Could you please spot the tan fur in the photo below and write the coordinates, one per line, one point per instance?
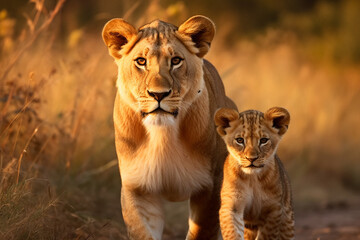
(256, 196)
(174, 153)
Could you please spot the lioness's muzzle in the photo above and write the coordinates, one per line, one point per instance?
(159, 110)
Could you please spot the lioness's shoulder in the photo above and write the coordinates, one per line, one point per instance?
(210, 69)
(215, 85)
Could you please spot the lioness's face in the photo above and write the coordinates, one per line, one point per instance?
(161, 77)
(252, 137)
(160, 66)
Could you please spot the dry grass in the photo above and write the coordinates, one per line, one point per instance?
(58, 176)
(56, 141)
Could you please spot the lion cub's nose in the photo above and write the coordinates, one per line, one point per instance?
(158, 96)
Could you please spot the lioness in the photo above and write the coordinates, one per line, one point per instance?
(165, 137)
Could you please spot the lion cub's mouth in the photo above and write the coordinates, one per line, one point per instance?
(159, 111)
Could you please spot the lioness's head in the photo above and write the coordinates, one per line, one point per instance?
(252, 137)
(160, 70)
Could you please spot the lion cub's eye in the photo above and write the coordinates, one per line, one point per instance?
(176, 61)
(141, 61)
(263, 140)
(240, 140)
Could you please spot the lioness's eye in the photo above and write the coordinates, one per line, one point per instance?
(141, 61)
(176, 61)
(263, 140)
(239, 140)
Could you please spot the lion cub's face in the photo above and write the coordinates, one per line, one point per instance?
(252, 137)
(160, 65)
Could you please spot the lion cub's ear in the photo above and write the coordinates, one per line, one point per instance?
(201, 30)
(117, 33)
(223, 117)
(279, 119)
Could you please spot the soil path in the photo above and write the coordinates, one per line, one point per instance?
(332, 223)
(335, 222)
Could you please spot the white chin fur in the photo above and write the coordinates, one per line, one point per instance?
(251, 170)
(159, 120)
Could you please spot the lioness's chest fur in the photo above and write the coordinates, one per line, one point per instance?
(164, 165)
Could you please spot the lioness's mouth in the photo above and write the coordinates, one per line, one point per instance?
(159, 111)
(253, 166)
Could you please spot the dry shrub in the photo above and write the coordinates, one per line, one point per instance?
(55, 136)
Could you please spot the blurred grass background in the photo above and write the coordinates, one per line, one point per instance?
(59, 176)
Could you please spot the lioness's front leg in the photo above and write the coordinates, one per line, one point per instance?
(204, 215)
(143, 215)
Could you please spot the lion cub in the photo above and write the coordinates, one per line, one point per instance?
(255, 196)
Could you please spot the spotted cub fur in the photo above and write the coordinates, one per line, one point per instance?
(256, 200)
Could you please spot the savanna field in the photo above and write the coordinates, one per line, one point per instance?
(59, 177)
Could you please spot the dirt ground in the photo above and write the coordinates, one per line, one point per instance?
(332, 223)
(340, 221)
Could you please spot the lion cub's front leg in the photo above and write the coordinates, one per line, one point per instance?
(231, 216)
(270, 228)
(143, 215)
(277, 225)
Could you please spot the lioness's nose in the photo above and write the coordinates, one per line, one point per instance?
(158, 96)
(252, 158)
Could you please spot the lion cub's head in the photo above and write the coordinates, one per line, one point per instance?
(252, 137)
(160, 66)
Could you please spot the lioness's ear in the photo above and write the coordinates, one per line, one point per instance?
(201, 30)
(116, 33)
(279, 119)
(223, 117)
